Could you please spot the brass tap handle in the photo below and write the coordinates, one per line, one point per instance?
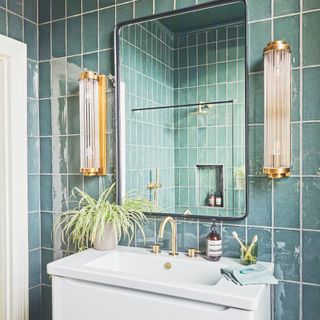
(155, 248)
(192, 252)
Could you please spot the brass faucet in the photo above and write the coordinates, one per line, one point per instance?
(173, 233)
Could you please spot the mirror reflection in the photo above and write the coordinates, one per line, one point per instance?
(182, 111)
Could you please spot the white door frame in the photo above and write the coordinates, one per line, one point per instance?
(13, 181)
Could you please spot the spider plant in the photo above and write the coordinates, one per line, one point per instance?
(79, 227)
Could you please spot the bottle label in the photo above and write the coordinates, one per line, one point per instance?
(211, 201)
(218, 201)
(214, 248)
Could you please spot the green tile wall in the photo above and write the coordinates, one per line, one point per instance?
(288, 232)
(147, 71)
(19, 20)
(209, 67)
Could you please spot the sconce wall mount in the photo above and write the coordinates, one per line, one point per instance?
(92, 94)
(277, 108)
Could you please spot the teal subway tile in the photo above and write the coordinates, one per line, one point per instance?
(164, 5)
(311, 41)
(58, 77)
(106, 62)
(3, 3)
(59, 155)
(15, 27)
(259, 9)
(33, 118)
(32, 74)
(73, 154)
(73, 7)
(311, 4)
(33, 230)
(44, 10)
(46, 257)
(311, 148)
(311, 94)
(286, 301)
(45, 41)
(35, 303)
(15, 6)
(259, 36)
(295, 148)
(288, 29)
(91, 186)
(45, 117)
(3, 22)
(46, 229)
(90, 61)
(149, 235)
(311, 203)
(255, 150)
(33, 155)
(256, 98)
(185, 3)
(46, 155)
(58, 9)
(74, 41)
(46, 192)
(46, 298)
(31, 39)
(264, 242)
(259, 201)
(286, 254)
(287, 203)
(295, 95)
(286, 7)
(188, 235)
(73, 115)
(310, 302)
(143, 8)
(58, 39)
(73, 72)
(106, 3)
(59, 191)
(106, 28)
(33, 193)
(311, 258)
(222, 34)
(34, 267)
(74, 181)
(89, 5)
(230, 247)
(221, 51)
(90, 32)
(124, 12)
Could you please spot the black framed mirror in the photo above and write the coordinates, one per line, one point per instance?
(181, 116)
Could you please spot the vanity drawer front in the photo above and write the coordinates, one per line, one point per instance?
(81, 300)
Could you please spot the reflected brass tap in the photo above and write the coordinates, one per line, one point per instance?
(173, 233)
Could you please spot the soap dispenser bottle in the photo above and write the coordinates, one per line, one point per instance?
(214, 244)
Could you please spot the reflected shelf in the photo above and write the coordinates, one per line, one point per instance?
(201, 106)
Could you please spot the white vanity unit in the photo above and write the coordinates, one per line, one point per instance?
(133, 283)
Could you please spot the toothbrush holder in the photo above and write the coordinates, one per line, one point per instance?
(252, 257)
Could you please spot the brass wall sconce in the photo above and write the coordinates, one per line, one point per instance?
(93, 105)
(277, 105)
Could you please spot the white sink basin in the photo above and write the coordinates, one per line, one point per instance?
(163, 266)
(138, 269)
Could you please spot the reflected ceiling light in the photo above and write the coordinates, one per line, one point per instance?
(92, 94)
(277, 105)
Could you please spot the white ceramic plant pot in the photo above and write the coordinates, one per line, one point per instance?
(108, 241)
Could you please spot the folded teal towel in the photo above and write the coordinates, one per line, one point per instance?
(254, 274)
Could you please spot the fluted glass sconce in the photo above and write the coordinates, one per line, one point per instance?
(92, 94)
(277, 105)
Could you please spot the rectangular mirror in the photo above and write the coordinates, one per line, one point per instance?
(181, 110)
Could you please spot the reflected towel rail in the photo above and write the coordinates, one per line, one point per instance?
(184, 105)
